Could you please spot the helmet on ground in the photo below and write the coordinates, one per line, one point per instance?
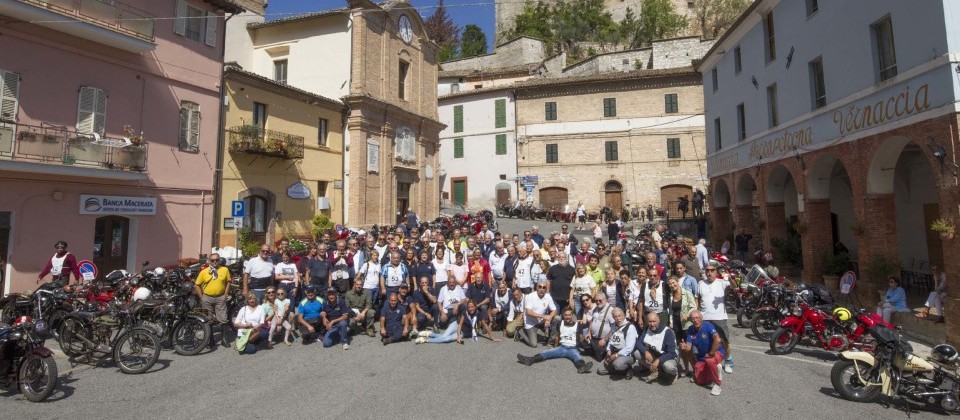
(141, 294)
(945, 354)
(842, 314)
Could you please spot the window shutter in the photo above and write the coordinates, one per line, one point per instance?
(211, 34)
(457, 148)
(180, 23)
(411, 146)
(184, 127)
(501, 113)
(194, 129)
(458, 118)
(9, 95)
(501, 144)
(91, 110)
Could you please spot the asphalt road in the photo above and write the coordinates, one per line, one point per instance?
(477, 379)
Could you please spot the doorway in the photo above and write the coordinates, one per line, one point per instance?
(110, 243)
(613, 196)
(5, 225)
(459, 188)
(403, 200)
(503, 193)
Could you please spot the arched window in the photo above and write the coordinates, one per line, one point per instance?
(612, 186)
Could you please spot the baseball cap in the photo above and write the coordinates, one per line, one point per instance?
(405, 286)
(331, 292)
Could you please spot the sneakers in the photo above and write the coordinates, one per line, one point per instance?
(585, 367)
(385, 340)
(728, 368)
(370, 332)
(414, 334)
(629, 374)
(653, 376)
(346, 346)
(420, 340)
(524, 359)
(715, 390)
(424, 334)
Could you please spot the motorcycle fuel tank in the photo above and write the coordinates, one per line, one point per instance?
(912, 363)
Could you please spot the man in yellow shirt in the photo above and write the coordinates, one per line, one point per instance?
(212, 286)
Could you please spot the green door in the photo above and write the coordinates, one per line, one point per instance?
(459, 193)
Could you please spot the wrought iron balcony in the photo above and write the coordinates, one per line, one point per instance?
(67, 147)
(253, 139)
(108, 22)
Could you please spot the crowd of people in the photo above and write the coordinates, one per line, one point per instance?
(660, 314)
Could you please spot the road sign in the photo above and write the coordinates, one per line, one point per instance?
(529, 189)
(239, 208)
(237, 222)
(88, 270)
(530, 179)
(847, 282)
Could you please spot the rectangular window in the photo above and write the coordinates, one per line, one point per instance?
(817, 85)
(886, 54)
(9, 96)
(737, 60)
(322, 189)
(673, 148)
(501, 144)
(322, 131)
(774, 115)
(717, 138)
(741, 123)
(670, 104)
(280, 71)
(812, 7)
(500, 111)
(259, 115)
(189, 126)
(402, 75)
(609, 107)
(550, 111)
(454, 87)
(610, 151)
(458, 119)
(195, 23)
(457, 148)
(715, 79)
(92, 110)
(552, 155)
(769, 40)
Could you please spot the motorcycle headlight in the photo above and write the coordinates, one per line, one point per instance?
(796, 311)
(41, 328)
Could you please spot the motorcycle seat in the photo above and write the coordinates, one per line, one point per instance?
(150, 304)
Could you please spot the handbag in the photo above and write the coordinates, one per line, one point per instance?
(242, 339)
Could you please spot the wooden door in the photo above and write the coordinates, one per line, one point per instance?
(460, 192)
(110, 243)
(614, 201)
(553, 197)
(931, 212)
(503, 196)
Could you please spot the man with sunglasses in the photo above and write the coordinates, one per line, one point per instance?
(212, 286)
(710, 295)
(258, 273)
(539, 311)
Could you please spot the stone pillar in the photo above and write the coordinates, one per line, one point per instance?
(776, 220)
(745, 220)
(879, 239)
(721, 226)
(816, 239)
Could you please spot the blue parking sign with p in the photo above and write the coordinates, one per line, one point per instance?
(238, 208)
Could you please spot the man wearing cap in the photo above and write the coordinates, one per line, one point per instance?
(308, 315)
(336, 319)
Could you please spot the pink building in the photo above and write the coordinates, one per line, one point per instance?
(108, 130)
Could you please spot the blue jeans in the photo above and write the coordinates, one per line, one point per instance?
(570, 353)
(448, 335)
(373, 294)
(336, 333)
(259, 293)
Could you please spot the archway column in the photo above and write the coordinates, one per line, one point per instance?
(816, 239)
(776, 220)
(879, 239)
(745, 220)
(721, 225)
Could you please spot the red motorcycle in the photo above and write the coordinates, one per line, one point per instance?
(829, 332)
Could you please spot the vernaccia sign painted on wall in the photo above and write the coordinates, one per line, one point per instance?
(109, 204)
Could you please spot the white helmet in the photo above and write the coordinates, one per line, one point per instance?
(141, 294)
(159, 271)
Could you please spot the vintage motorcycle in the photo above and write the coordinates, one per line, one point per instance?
(49, 302)
(25, 361)
(111, 333)
(169, 313)
(830, 332)
(893, 370)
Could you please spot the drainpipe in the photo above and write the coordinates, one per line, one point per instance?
(221, 120)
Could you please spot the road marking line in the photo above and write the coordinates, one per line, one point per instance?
(789, 358)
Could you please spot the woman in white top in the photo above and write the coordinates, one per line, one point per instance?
(284, 315)
(370, 273)
(440, 266)
(537, 272)
(582, 284)
(287, 274)
(597, 232)
(458, 270)
(250, 318)
(581, 215)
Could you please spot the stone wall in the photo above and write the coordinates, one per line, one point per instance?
(678, 52)
(520, 51)
(623, 61)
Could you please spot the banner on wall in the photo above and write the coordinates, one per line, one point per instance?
(118, 205)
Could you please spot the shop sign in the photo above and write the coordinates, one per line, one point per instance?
(298, 191)
(111, 204)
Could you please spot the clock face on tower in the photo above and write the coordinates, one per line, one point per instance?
(406, 30)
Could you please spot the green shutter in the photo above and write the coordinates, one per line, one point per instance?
(457, 148)
(501, 111)
(458, 119)
(611, 150)
(501, 144)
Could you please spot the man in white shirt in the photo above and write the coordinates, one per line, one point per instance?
(601, 322)
(710, 295)
(703, 257)
(448, 303)
(496, 260)
(623, 340)
(258, 273)
(523, 279)
(567, 348)
(656, 236)
(539, 312)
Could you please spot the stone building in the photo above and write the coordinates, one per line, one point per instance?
(616, 139)
(375, 58)
(842, 143)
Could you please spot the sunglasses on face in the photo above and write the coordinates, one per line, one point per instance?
(213, 260)
(709, 270)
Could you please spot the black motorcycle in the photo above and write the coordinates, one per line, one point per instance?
(111, 333)
(171, 316)
(25, 361)
(49, 303)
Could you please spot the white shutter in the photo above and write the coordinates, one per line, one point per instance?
(184, 141)
(9, 95)
(85, 109)
(195, 129)
(100, 112)
(211, 37)
(180, 23)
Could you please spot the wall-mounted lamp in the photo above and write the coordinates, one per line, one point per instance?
(756, 84)
(790, 57)
(799, 157)
(941, 154)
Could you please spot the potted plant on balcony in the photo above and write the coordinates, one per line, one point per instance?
(944, 227)
(275, 145)
(136, 139)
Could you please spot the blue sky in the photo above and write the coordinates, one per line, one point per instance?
(463, 12)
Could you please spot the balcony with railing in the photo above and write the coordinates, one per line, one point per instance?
(51, 149)
(253, 139)
(108, 22)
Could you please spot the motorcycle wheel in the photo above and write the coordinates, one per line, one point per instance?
(228, 334)
(38, 377)
(762, 326)
(190, 337)
(70, 337)
(744, 317)
(783, 341)
(847, 383)
(136, 351)
(9, 312)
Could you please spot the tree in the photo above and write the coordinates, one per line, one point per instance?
(533, 21)
(474, 42)
(658, 20)
(441, 29)
(716, 16)
(629, 26)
